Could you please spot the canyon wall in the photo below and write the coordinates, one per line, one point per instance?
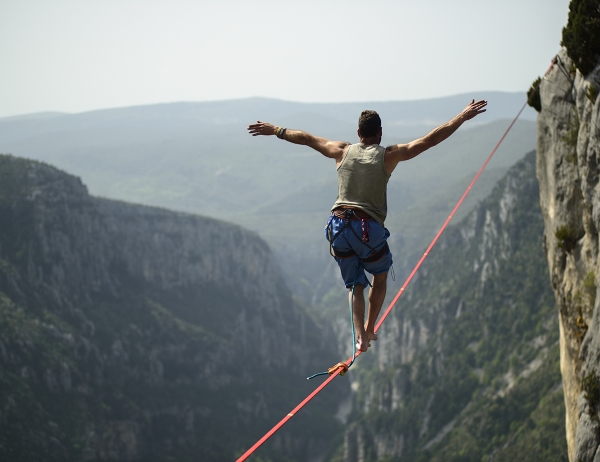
(568, 150)
(135, 333)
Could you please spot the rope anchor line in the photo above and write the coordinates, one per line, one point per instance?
(345, 366)
(341, 368)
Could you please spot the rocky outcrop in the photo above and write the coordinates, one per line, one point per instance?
(133, 333)
(568, 154)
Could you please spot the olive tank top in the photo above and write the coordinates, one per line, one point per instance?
(362, 180)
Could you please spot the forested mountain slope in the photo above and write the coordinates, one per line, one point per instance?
(138, 334)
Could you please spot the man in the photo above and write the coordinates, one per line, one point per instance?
(356, 227)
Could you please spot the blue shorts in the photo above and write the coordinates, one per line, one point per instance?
(347, 241)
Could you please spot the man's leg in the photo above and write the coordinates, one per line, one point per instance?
(358, 316)
(376, 297)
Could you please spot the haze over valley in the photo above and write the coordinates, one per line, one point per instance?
(198, 157)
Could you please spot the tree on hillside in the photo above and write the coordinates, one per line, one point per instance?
(581, 36)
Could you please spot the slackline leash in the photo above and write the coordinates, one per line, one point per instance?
(345, 366)
(341, 368)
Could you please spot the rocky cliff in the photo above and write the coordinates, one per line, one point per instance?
(133, 333)
(467, 366)
(568, 159)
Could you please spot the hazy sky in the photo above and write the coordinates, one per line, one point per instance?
(80, 55)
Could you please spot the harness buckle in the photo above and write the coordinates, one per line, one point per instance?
(364, 225)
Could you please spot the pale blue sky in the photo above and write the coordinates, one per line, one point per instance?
(74, 56)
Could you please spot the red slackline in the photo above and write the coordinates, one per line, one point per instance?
(389, 309)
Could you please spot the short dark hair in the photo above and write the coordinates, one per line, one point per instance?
(369, 124)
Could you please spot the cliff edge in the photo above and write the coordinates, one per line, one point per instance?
(568, 151)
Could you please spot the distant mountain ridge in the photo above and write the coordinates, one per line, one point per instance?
(420, 112)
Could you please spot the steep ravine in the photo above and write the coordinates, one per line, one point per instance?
(466, 368)
(131, 333)
(568, 154)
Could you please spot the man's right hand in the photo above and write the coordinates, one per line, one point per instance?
(332, 149)
(262, 128)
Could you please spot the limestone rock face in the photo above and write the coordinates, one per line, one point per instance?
(568, 153)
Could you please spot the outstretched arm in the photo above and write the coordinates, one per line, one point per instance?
(400, 152)
(332, 149)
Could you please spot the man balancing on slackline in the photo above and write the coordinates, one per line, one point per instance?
(355, 229)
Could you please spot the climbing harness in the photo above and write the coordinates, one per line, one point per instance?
(337, 369)
(349, 214)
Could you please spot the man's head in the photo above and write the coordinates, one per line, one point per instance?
(369, 124)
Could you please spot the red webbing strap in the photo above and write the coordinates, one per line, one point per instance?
(289, 416)
(394, 301)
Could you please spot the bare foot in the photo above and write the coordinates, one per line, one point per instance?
(362, 344)
(371, 336)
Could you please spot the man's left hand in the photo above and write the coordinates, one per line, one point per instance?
(473, 109)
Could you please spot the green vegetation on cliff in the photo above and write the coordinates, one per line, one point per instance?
(581, 35)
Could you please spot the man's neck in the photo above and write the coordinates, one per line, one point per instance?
(371, 140)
